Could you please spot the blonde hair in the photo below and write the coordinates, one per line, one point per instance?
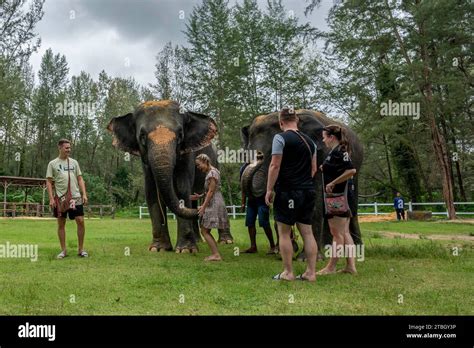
(204, 159)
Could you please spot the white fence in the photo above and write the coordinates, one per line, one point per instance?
(234, 210)
(376, 205)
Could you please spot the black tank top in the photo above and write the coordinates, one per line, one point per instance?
(295, 168)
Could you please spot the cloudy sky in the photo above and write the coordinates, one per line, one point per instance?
(123, 37)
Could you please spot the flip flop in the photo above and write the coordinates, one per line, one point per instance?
(277, 277)
(300, 277)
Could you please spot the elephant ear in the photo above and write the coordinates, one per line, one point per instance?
(244, 136)
(312, 125)
(199, 130)
(124, 134)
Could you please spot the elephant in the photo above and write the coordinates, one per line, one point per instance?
(259, 135)
(168, 139)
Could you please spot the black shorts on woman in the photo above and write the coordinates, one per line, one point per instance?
(334, 165)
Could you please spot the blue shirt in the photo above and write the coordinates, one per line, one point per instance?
(398, 202)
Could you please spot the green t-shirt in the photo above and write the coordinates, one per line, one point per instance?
(58, 171)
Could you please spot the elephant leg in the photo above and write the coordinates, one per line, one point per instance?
(187, 239)
(225, 237)
(161, 238)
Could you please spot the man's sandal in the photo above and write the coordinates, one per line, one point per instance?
(83, 253)
(61, 255)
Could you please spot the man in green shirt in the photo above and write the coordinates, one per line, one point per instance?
(62, 170)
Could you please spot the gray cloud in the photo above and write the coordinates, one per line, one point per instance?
(123, 37)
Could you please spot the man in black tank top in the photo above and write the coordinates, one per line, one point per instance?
(291, 173)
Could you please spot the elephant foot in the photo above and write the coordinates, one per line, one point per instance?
(157, 247)
(187, 250)
(226, 240)
(225, 237)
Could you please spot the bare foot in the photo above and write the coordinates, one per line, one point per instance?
(250, 250)
(325, 271)
(213, 258)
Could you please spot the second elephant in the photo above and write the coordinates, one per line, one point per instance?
(259, 136)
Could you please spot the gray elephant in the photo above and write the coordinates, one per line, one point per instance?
(259, 135)
(168, 140)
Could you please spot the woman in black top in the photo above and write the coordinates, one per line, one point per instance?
(337, 168)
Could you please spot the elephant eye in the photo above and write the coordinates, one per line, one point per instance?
(142, 139)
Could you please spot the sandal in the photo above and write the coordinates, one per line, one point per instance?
(300, 277)
(61, 255)
(83, 253)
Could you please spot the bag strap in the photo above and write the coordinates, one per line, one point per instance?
(306, 143)
(68, 177)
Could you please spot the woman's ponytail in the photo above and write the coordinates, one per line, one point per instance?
(341, 134)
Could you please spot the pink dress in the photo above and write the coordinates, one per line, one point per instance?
(215, 215)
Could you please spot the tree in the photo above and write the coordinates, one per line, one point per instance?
(53, 80)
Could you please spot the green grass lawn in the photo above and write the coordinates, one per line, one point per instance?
(424, 275)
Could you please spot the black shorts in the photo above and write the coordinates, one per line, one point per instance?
(73, 213)
(294, 206)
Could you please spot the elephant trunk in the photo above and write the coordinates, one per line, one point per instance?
(253, 181)
(162, 159)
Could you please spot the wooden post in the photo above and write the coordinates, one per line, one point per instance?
(14, 210)
(101, 211)
(5, 185)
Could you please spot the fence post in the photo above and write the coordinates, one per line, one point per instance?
(376, 210)
(233, 211)
(410, 207)
(140, 212)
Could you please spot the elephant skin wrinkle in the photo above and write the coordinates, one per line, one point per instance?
(162, 136)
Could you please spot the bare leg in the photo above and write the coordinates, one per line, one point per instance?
(81, 231)
(350, 267)
(215, 256)
(269, 234)
(337, 226)
(286, 251)
(310, 249)
(253, 241)
(62, 233)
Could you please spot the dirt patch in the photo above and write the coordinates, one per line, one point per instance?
(162, 135)
(378, 218)
(160, 103)
(431, 236)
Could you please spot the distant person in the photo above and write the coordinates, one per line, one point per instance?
(291, 173)
(66, 175)
(256, 207)
(399, 205)
(212, 213)
(337, 170)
